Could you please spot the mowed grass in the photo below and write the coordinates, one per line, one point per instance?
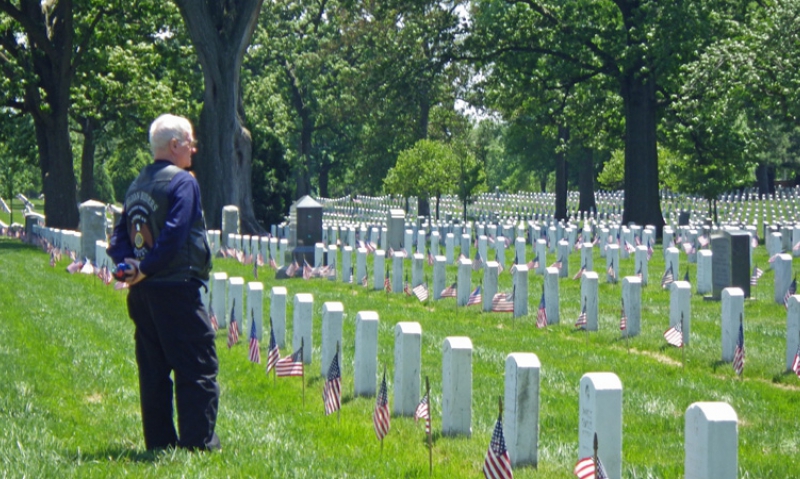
(69, 392)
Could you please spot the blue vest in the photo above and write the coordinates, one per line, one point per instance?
(146, 205)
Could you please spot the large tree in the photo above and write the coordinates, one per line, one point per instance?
(41, 44)
(630, 48)
(221, 32)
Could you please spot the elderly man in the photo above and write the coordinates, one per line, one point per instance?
(161, 236)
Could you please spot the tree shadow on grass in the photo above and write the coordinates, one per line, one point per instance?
(14, 245)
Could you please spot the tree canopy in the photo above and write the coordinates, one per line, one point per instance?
(335, 97)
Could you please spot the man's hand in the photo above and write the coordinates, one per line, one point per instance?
(135, 275)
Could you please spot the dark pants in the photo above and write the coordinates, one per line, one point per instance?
(174, 334)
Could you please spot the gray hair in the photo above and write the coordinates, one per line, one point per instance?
(165, 128)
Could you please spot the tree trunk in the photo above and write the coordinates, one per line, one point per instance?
(49, 111)
(586, 181)
(220, 33)
(303, 172)
(324, 179)
(88, 127)
(423, 206)
(561, 175)
(642, 202)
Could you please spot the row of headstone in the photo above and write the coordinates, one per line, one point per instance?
(710, 432)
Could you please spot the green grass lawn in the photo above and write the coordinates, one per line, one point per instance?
(69, 396)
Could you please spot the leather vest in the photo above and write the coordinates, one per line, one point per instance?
(146, 205)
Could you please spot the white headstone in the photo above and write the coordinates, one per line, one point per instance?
(783, 275)
(551, 295)
(704, 278)
(219, 297)
(93, 228)
(332, 323)
(417, 273)
(711, 441)
(792, 329)
(255, 308)
(521, 291)
(540, 254)
(449, 246)
(407, 367)
(489, 284)
(397, 272)
(277, 313)
(457, 386)
(439, 276)
(632, 303)
(732, 311)
(303, 325)
(464, 281)
(236, 302)
(230, 223)
(378, 269)
(680, 307)
(586, 256)
(601, 413)
(589, 290)
(521, 424)
(366, 353)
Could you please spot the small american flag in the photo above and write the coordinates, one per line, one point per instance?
(503, 303)
(757, 273)
(292, 269)
(497, 464)
(612, 274)
(421, 292)
(255, 351)
(475, 297)
(478, 263)
(534, 263)
(290, 365)
(796, 362)
(449, 292)
(582, 321)
(580, 272)
(667, 278)
(273, 353)
(649, 249)
(674, 336)
(587, 469)
(430, 258)
(789, 293)
(738, 354)
(557, 264)
(754, 241)
(213, 318)
(233, 327)
(365, 280)
(387, 284)
(629, 247)
(381, 419)
(623, 319)
(332, 391)
(541, 315)
(423, 412)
